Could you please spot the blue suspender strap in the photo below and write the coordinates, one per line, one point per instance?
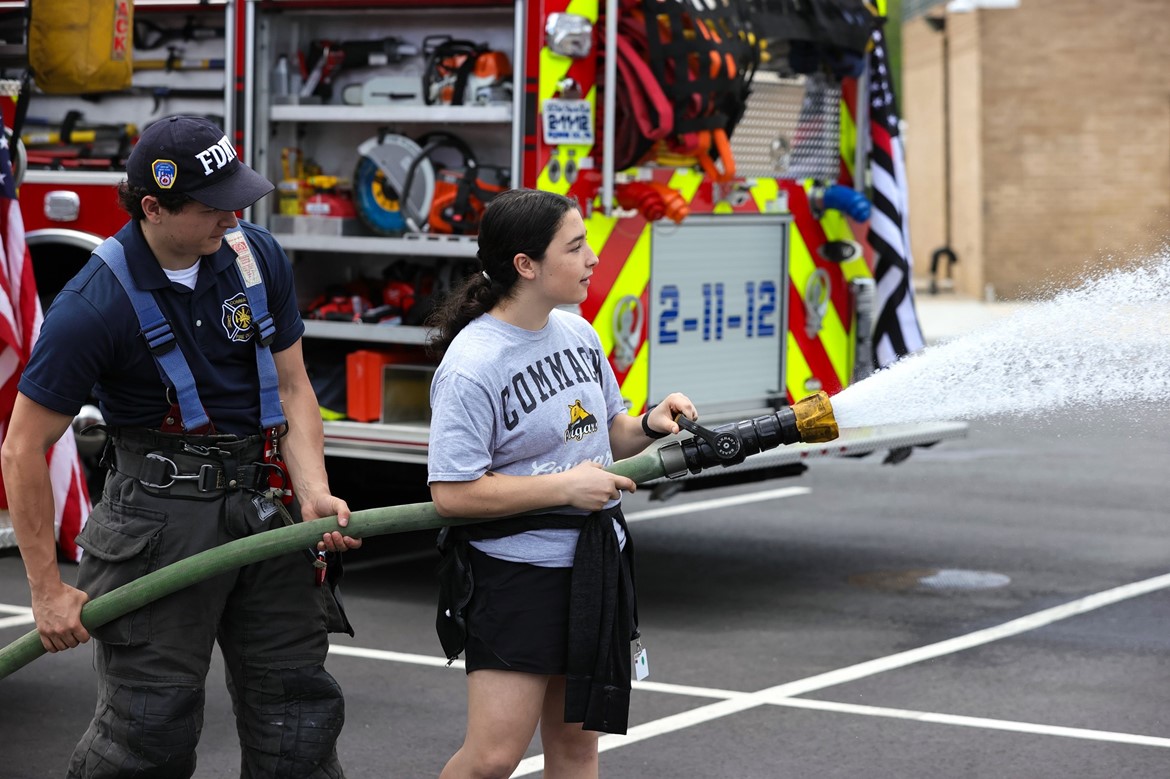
(160, 339)
(264, 327)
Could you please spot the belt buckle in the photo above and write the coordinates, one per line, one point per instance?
(209, 478)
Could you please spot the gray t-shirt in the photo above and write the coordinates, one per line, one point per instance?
(523, 403)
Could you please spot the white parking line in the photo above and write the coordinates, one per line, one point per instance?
(686, 689)
(23, 616)
(716, 503)
(11, 622)
(978, 638)
(394, 657)
(978, 722)
(782, 694)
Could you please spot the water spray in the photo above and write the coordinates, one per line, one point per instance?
(1097, 346)
(809, 420)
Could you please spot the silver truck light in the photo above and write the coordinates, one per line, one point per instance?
(570, 35)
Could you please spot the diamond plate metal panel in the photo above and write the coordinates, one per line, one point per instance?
(790, 129)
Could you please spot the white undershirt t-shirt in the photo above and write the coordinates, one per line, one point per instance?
(187, 277)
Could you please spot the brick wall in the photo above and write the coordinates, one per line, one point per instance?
(1060, 140)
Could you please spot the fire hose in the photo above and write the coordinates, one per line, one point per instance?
(809, 420)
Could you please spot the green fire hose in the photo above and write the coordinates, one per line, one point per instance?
(244, 551)
(810, 419)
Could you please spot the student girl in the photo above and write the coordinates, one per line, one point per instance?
(526, 414)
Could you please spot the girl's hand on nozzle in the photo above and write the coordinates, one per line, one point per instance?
(589, 486)
(662, 416)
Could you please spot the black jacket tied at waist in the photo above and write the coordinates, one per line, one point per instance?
(603, 613)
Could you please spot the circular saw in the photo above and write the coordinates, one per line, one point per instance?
(380, 179)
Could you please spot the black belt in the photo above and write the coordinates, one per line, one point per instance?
(179, 473)
(144, 439)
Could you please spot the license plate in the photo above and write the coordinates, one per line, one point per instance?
(567, 122)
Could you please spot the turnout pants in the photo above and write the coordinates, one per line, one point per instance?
(268, 618)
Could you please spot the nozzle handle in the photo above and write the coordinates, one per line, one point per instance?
(726, 445)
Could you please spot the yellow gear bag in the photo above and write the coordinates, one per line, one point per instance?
(79, 46)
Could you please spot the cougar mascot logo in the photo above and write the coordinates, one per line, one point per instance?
(581, 422)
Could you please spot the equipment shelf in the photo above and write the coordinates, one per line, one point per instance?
(356, 331)
(416, 244)
(412, 114)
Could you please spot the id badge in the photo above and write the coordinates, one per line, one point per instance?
(641, 662)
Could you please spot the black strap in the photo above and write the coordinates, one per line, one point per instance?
(647, 431)
(21, 106)
(146, 439)
(510, 526)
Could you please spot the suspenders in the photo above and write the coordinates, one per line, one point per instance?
(160, 338)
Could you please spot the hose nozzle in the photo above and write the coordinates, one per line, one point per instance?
(814, 418)
(809, 420)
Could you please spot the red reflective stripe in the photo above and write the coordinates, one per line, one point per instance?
(811, 348)
(584, 72)
(613, 258)
(814, 237)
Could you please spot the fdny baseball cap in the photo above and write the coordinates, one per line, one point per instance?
(191, 155)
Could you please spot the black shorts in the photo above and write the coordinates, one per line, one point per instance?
(518, 617)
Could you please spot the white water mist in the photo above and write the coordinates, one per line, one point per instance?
(1102, 343)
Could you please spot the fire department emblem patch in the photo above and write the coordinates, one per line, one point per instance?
(164, 173)
(237, 318)
(581, 423)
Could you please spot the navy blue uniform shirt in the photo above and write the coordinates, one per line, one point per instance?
(90, 340)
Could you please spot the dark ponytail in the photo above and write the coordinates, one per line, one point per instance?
(519, 221)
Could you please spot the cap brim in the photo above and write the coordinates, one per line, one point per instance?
(236, 192)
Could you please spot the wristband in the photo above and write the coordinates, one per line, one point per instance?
(654, 434)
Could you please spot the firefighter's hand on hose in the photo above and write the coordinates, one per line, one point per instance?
(588, 486)
(327, 505)
(58, 617)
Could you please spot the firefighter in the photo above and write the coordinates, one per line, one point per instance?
(526, 413)
(185, 327)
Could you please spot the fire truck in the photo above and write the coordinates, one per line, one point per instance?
(718, 152)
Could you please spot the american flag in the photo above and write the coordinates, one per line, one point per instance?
(896, 332)
(20, 323)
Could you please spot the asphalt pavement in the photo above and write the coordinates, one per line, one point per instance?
(993, 606)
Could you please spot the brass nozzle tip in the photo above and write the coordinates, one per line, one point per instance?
(814, 418)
